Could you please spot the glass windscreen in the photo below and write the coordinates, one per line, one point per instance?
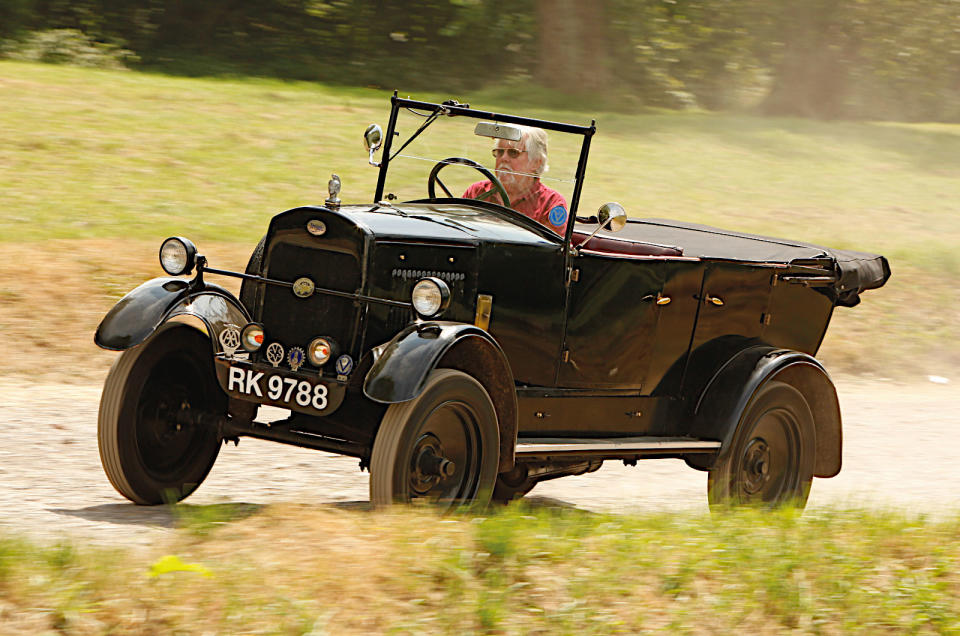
(521, 158)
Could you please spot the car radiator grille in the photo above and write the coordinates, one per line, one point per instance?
(294, 321)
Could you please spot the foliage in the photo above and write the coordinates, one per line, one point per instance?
(67, 46)
(887, 59)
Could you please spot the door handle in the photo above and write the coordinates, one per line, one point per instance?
(659, 298)
(714, 300)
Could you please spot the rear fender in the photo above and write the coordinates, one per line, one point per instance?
(403, 365)
(724, 401)
(142, 311)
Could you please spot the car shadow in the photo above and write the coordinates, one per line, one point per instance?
(123, 514)
(176, 516)
(184, 515)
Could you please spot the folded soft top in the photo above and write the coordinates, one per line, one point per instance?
(856, 271)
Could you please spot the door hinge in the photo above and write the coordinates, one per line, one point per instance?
(565, 355)
(764, 319)
(573, 275)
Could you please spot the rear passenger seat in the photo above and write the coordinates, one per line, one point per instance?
(621, 247)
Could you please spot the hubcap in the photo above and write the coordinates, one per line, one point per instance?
(756, 466)
(429, 466)
(445, 457)
(769, 463)
(167, 438)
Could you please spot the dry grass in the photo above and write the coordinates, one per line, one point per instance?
(55, 293)
(522, 570)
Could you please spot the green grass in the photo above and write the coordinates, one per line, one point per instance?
(90, 154)
(524, 569)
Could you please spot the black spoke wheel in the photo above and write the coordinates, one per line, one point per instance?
(772, 454)
(440, 448)
(156, 439)
(434, 179)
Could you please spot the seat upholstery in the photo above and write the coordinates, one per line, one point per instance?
(620, 247)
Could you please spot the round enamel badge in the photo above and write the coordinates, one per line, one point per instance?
(344, 365)
(303, 287)
(558, 216)
(316, 227)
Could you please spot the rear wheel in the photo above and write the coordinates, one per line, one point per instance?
(506, 491)
(772, 455)
(441, 448)
(154, 446)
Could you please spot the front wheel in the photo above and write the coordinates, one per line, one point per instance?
(772, 455)
(442, 447)
(154, 445)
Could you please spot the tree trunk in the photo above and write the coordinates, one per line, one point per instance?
(573, 45)
(811, 79)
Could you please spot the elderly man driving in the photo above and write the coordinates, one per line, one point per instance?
(519, 166)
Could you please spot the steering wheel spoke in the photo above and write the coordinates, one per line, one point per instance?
(444, 188)
(498, 188)
(487, 195)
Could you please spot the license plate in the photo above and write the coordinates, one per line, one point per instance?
(278, 389)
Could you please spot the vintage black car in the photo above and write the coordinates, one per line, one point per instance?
(464, 351)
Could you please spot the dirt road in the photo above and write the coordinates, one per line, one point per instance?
(900, 451)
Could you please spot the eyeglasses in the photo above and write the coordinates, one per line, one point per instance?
(513, 153)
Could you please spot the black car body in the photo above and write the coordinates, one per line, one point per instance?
(620, 339)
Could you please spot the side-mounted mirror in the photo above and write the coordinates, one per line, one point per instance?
(372, 139)
(611, 216)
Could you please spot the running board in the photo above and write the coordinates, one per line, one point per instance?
(529, 447)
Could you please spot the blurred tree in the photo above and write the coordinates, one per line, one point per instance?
(815, 58)
(573, 45)
(819, 45)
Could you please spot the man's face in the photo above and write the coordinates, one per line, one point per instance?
(507, 164)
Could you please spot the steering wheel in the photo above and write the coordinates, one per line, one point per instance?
(497, 186)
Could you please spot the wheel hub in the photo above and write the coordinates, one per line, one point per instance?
(756, 466)
(429, 465)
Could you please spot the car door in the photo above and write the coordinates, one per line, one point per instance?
(733, 311)
(624, 327)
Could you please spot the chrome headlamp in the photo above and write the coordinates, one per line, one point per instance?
(430, 297)
(178, 256)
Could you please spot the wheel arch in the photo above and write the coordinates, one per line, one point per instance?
(402, 368)
(144, 310)
(720, 407)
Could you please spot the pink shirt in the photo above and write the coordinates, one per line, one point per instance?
(541, 204)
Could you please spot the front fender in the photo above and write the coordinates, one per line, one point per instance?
(723, 402)
(141, 312)
(401, 370)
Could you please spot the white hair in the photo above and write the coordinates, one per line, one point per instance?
(535, 143)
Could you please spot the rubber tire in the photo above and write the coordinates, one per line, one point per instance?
(251, 292)
(775, 407)
(504, 493)
(400, 431)
(120, 416)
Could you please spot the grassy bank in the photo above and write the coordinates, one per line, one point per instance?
(298, 569)
(89, 156)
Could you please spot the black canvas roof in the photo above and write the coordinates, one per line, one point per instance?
(856, 271)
